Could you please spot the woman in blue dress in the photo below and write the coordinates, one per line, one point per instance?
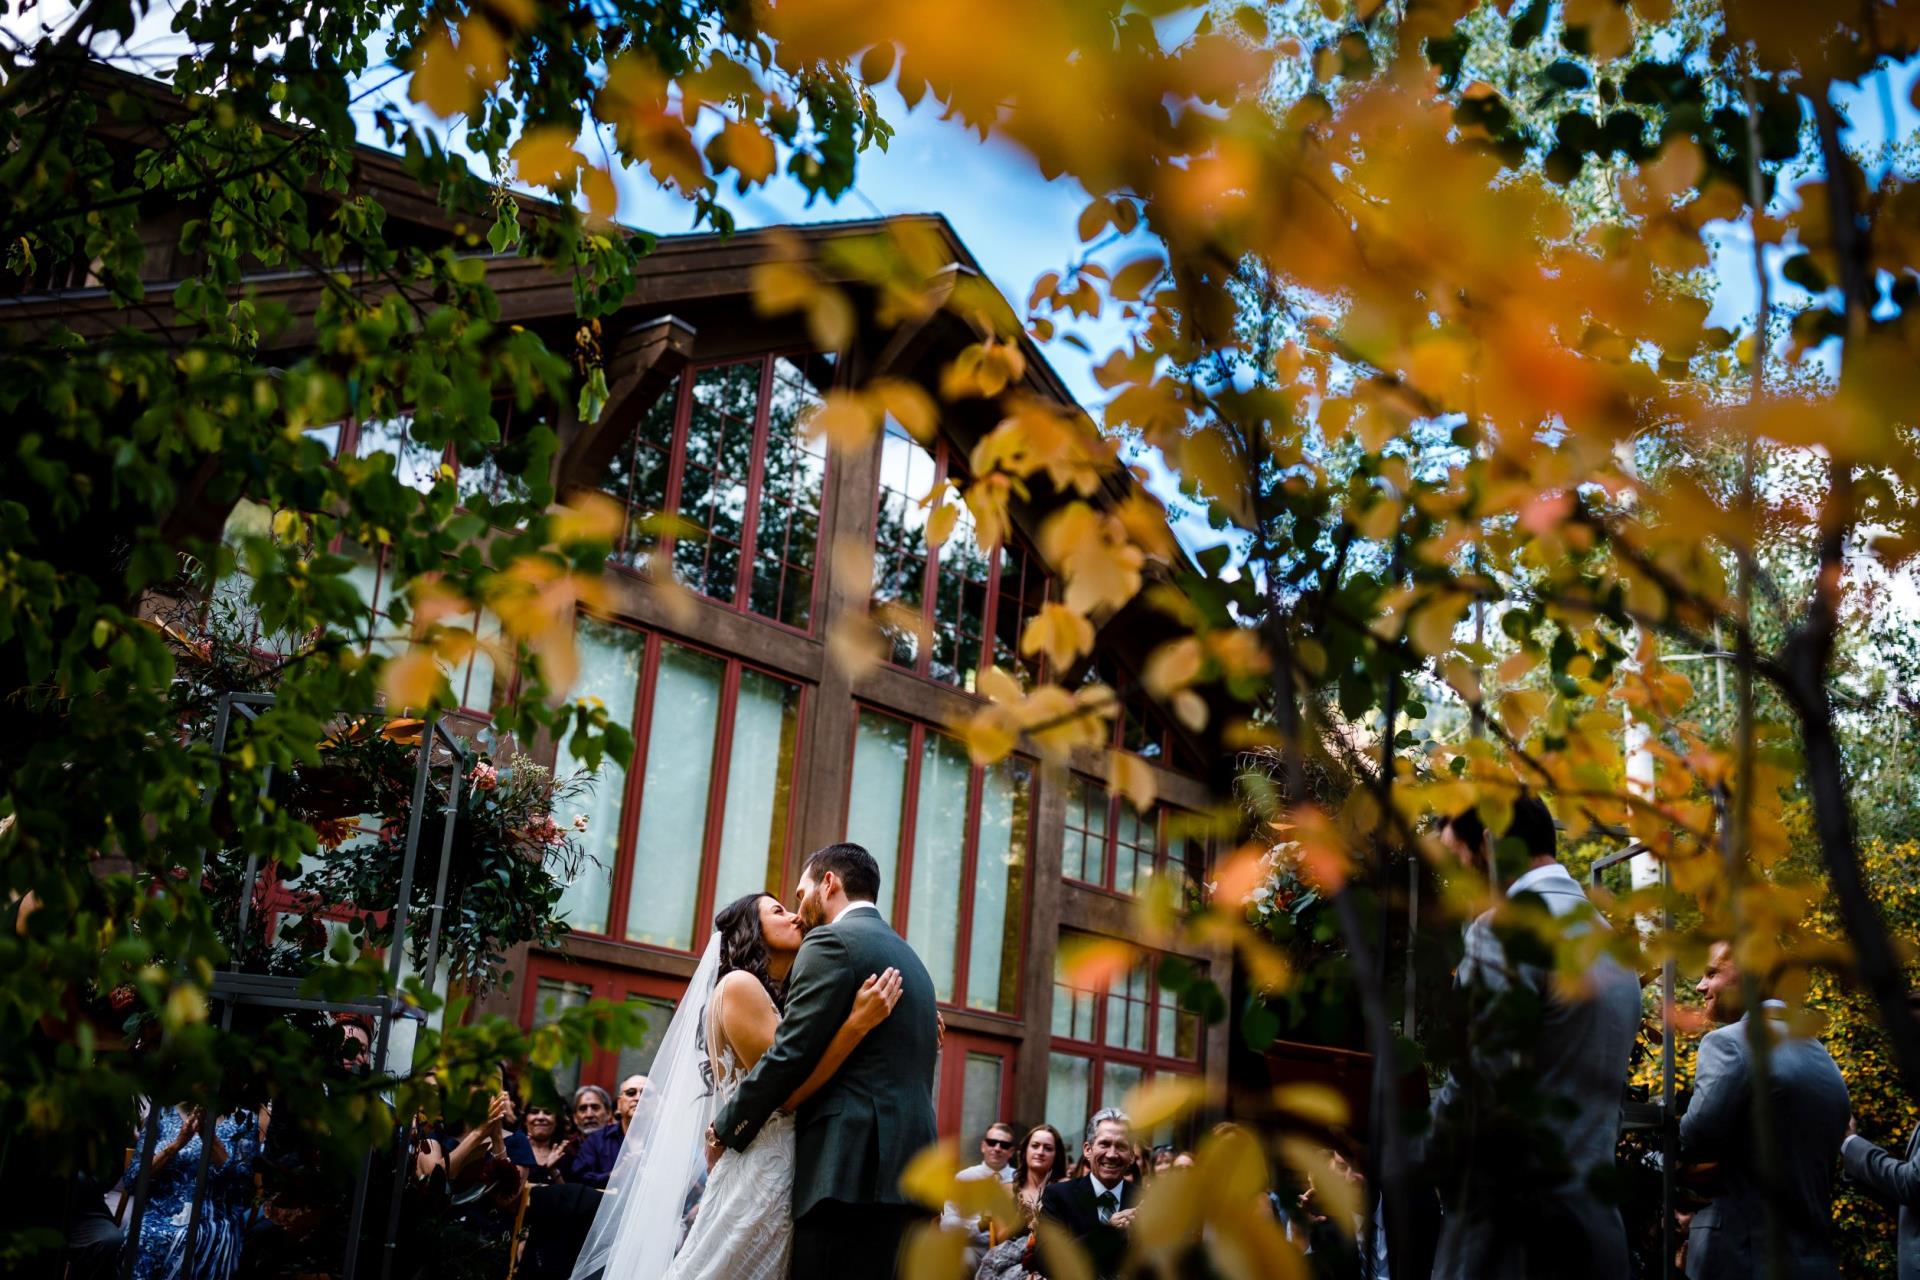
(183, 1143)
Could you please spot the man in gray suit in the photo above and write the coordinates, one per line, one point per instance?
(1807, 1100)
(857, 1134)
(1527, 1121)
(1892, 1179)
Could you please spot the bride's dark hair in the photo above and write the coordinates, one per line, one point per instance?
(743, 944)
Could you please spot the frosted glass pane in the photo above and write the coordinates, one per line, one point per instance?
(673, 799)
(1069, 1080)
(999, 882)
(877, 802)
(610, 671)
(939, 845)
(753, 833)
(979, 1097)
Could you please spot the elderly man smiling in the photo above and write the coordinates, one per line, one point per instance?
(1096, 1209)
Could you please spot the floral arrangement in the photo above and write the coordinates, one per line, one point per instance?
(509, 862)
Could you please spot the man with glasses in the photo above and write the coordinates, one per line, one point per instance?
(1096, 1209)
(996, 1161)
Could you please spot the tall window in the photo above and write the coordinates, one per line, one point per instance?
(952, 840)
(478, 470)
(1111, 845)
(1112, 1037)
(475, 681)
(720, 479)
(554, 985)
(702, 817)
(947, 612)
(972, 1085)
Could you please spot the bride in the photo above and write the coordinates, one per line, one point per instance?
(741, 1223)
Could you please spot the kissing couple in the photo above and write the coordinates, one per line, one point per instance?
(793, 1085)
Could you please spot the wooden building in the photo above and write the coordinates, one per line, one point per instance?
(753, 746)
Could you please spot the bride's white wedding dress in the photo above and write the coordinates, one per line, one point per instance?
(743, 1229)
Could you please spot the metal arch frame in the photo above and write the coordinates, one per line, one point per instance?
(231, 987)
(1660, 1116)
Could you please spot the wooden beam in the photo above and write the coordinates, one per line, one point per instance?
(644, 361)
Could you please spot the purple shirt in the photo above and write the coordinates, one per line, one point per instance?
(592, 1161)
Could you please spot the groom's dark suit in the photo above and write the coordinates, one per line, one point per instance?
(858, 1133)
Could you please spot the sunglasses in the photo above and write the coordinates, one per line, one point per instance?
(999, 1144)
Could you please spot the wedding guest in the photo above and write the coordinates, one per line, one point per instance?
(996, 1161)
(1729, 1237)
(1895, 1180)
(186, 1138)
(593, 1160)
(1042, 1162)
(1094, 1211)
(1520, 1164)
(592, 1108)
(548, 1142)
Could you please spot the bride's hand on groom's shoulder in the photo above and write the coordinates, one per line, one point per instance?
(878, 995)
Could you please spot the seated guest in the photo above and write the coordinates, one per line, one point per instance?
(1093, 1211)
(1729, 1236)
(592, 1108)
(996, 1161)
(1042, 1162)
(593, 1160)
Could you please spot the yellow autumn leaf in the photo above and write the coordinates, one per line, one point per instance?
(544, 156)
(940, 522)
(1337, 1194)
(932, 1252)
(1059, 633)
(440, 80)
(1379, 521)
(603, 197)
(1520, 708)
(854, 644)
(1190, 709)
(908, 404)
(1316, 1103)
(587, 517)
(1163, 1100)
(1090, 963)
(484, 52)
(782, 286)
(412, 679)
(830, 319)
(1132, 777)
(928, 1177)
(1173, 666)
(846, 420)
(742, 146)
(990, 734)
(186, 1006)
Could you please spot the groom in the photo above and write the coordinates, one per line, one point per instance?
(858, 1133)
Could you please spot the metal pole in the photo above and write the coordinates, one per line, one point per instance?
(1669, 1145)
(142, 1185)
(421, 777)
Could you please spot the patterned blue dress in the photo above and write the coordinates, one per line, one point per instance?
(224, 1214)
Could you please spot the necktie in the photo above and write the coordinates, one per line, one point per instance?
(1106, 1203)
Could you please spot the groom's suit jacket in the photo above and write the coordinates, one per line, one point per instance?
(857, 1134)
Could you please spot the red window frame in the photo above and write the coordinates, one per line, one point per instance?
(1163, 818)
(1152, 1060)
(945, 468)
(605, 982)
(662, 551)
(969, 862)
(950, 1102)
(632, 798)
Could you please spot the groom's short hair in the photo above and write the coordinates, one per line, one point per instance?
(859, 874)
